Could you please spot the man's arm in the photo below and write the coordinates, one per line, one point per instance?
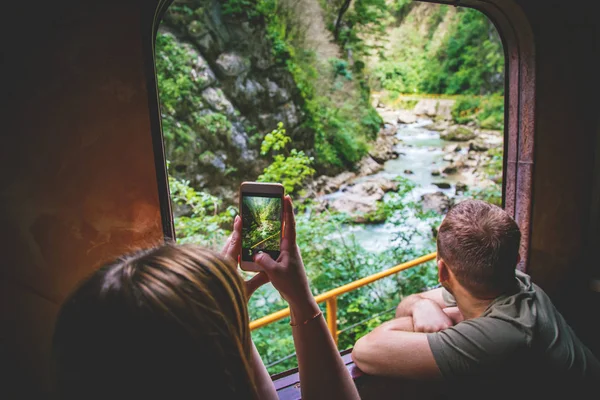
(392, 349)
(406, 306)
(428, 311)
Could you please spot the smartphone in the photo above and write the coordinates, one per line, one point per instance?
(261, 209)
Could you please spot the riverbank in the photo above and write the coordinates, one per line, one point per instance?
(445, 161)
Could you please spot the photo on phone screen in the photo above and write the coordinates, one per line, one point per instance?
(261, 224)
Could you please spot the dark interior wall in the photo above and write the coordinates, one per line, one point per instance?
(567, 106)
(78, 183)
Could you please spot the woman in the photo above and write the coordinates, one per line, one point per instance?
(172, 322)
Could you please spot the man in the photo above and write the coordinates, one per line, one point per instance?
(489, 328)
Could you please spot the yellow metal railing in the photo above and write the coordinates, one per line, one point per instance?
(331, 296)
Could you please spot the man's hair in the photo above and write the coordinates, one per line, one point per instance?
(480, 244)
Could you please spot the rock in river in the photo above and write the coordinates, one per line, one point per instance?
(458, 133)
(368, 166)
(442, 185)
(461, 187)
(478, 145)
(384, 148)
(437, 202)
(406, 117)
(361, 198)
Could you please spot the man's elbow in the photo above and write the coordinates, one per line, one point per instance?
(362, 356)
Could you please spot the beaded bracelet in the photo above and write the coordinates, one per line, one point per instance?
(308, 320)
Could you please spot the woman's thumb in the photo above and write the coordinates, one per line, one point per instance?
(265, 261)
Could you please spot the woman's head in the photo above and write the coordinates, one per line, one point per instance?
(167, 322)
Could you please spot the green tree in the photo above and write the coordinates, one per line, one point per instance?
(471, 61)
(291, 168)
(202, 219)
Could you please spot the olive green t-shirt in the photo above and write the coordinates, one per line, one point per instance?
(520, 338)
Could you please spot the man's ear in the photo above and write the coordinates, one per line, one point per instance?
(443, 271)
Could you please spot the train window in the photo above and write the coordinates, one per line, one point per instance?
(375, 116)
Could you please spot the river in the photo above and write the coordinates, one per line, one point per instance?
(421, 152)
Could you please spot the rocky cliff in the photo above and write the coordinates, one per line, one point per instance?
(235, 94)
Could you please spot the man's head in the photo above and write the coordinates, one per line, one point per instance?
(479, 244)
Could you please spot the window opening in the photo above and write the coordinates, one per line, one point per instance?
(375, 115)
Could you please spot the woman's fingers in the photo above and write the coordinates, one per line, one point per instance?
(265, 262)
(233, 246)
(289, 232)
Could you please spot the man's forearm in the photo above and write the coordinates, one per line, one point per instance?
(407, 305)
(392, 349)
(399, 324)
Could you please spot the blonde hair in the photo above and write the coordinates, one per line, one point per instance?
(170, 321)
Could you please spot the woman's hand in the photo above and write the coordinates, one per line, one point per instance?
(287, 273)
(232, 250)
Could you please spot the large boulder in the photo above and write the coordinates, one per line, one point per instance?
(449, 157)
(478, 145)
(202, 75)
(458, 133)
(359, 199)
(389, 117)
(442, 185)
(385, 184)
(437, 202)
(239, 139)
(453, 168)
(232, 64)
(277, 94)
(368, 166)
(438, 126)
(384, 148)
(444, 109)
(329, 184)
(426, 107)
(291, 115)
(217, 100)
(439, 108)
(452, 148)
(248, 92)
(406, 117)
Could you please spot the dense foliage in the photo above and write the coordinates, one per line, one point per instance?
(471, 61)
(291, 168)
(204, 219)
(487, 112)
(466, 59)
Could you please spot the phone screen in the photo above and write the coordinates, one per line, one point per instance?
(261, 224)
